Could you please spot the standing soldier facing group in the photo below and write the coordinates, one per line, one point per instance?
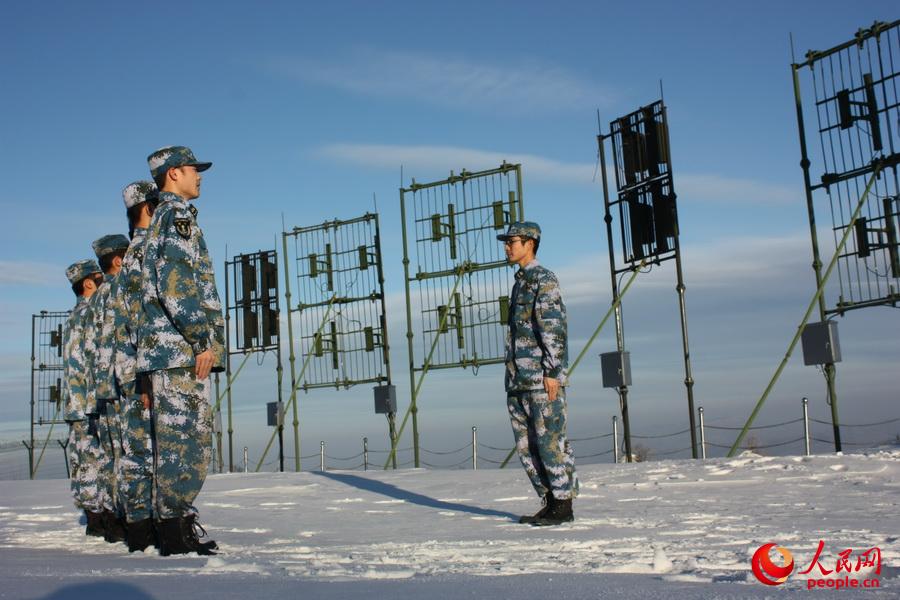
(139, 348)
(537, 376)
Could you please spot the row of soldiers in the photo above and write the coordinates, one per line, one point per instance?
(146, 332)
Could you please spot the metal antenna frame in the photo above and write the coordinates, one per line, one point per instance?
(631, 257)
(850, 166)
(459, 263)
(338, 247)
(43, 366)
(234, 272)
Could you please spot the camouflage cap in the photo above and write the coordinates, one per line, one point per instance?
(110, 243)
(139, 191)
(172, 157)
(81, 269)
(525, 229)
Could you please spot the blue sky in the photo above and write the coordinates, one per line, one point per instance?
(308, 110)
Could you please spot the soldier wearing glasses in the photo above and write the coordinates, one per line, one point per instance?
(536, 377)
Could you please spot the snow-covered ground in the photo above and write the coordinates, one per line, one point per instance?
(666, 529)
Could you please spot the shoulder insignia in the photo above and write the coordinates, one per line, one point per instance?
(193, 210)
(183, 227)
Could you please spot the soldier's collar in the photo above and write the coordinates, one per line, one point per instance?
(172, 198)
(521, 272)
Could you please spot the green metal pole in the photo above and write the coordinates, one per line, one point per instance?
(590, 341)
(228, 374)
(812, 305)
(829, 368)
(417, 386)
(279, 369)
(291, 356)
(31, 438)
(519, 192)
(622, 390)
(386, 354)
(409, 344)
(37, 464)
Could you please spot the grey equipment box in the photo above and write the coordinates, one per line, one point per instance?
(275, 413)
(616, 369)
(385, 399)
(820, 343)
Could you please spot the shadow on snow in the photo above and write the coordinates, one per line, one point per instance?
(392, 491)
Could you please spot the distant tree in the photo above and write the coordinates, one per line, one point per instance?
(752, 443)
(641, 453)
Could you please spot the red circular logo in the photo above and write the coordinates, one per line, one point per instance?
(768, 572)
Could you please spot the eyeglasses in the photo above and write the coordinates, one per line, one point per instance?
(511, 241)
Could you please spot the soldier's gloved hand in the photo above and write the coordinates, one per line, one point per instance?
(203, 364)
(551, 386)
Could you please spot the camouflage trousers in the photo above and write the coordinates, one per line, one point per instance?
(108, 433)
(539, 427)
(87, 462)
(134, 472)
(182, 428)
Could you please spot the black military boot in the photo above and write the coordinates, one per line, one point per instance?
(179, 536)
(545, 501)
(170, 539)
(560, 512)
(140, 535)
(192, 524)
(96, 524)
(115, 527)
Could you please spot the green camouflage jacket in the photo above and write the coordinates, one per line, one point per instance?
(104, 316)
(79, 341)
(182, 312)
(537, 341)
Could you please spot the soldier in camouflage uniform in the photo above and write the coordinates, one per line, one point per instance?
(536, 377)
(181, 340)
(134, 469)
(79, 350)
(110, 250)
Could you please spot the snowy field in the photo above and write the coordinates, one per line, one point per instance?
(665, 529)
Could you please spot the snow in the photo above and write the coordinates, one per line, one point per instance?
(666, 529)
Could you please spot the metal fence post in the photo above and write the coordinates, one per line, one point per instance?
(322, 456)
(616, 440)
(246, 460)
(474, 448)
(702, 434)
(365, 454)
(806, 426)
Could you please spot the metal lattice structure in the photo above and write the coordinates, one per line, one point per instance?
(251, 326)
(644, 210)
(857, 108)
(47, 371)
(646, 200)
(339, 284)
(47, 366)
(850, 173)
(341, 330)
(459, 270)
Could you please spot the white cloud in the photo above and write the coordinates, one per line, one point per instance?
(701, 188)
(455, 82)
(729, 190)
(444, 158)
(30, 273)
